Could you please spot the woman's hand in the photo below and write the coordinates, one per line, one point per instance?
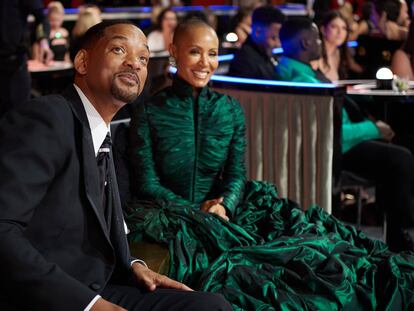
(214, 206)
(386, 131)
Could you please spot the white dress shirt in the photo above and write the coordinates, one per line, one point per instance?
(99, 129)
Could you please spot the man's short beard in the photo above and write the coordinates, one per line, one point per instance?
(124, 96)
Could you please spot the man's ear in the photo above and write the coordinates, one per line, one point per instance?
(304, 42)
(173, 50)
(322, 30)
(258, 31)
(81, 62)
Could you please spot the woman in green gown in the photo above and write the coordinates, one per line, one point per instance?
(235, 237)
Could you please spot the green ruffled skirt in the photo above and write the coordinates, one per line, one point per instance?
(274, 256)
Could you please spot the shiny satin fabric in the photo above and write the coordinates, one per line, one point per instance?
(290, 143)
(274, 256)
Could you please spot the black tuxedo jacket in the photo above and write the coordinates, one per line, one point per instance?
(55, 249)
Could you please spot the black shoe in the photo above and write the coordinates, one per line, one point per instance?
(402, 241)
(408, 239)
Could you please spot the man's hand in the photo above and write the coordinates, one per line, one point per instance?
(386, 131)
(104, 305)
(45, 53)
(151, 280)
(214, 206)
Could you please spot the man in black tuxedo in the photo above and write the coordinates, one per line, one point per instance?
(62, 238)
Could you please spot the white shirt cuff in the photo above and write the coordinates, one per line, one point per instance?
(90, 305)
(140, 261)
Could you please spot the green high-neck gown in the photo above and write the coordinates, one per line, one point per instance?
(271, 255)
(190, 150)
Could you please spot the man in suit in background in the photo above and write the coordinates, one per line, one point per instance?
(255, 58)
(63, 244)
(367, 148)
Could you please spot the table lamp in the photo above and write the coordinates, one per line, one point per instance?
(384, 78)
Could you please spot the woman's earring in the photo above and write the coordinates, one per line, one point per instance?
(172, 62)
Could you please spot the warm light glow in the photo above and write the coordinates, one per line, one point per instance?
(384, 73)
(231, 37)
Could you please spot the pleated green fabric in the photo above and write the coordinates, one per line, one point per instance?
(271, 255)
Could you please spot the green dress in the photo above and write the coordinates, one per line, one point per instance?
(271, 255)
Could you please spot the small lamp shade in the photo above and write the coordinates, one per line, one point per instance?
(231, 37)
(384, 78)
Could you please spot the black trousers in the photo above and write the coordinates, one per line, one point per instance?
(391, 167)
(15, 87)
(134, 299)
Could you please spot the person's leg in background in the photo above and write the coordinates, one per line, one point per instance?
(392, 168)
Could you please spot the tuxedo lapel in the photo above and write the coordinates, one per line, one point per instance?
(90, 168)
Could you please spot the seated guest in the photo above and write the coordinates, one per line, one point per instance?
(229, 236)
(63, 244)
(160, 39)
(255, 57)
(366, 145)
(388, 18)
(58, 36)
(394, 20)
(242, 25)
(88, 16)
(403, 59)
(336, 62)
(301, 45)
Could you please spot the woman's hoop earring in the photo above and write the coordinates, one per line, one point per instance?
(172, 61)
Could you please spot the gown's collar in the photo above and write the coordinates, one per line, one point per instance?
(183, 89)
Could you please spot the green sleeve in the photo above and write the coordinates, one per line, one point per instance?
(234, 172)
(355, 133)
(147, 183)
(305, 78)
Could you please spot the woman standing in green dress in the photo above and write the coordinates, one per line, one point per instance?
(240, 239)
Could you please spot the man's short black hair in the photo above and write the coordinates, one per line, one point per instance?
(267, 15)
(93, 34)
(292, 28)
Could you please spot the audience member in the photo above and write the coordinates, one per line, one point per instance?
(391, 19)
(301, 45)
(403, 59)
(160, 39)
(59, 36)
(242, 25)
(15, 82)
(366, 145)
(255, 58)
(63, 243)
(336, 62)
(366, 25)
(88, 16)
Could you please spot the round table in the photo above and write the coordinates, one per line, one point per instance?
(51, 78)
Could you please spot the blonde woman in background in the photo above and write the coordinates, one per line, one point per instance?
(88, 16)
(59, 36)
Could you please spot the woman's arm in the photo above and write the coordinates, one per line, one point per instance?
(234, 172)
(401, 65)
(147, 183)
